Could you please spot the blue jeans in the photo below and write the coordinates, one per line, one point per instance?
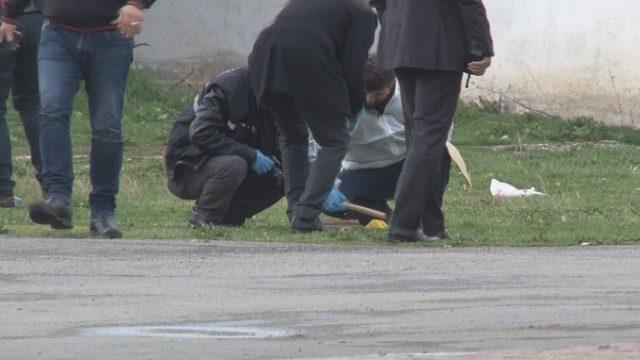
(102, 60)
(19, 77)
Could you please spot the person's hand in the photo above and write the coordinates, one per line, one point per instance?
(263, 164)
(129, 21)
(479, 68)
(7, 32)
(335, 202)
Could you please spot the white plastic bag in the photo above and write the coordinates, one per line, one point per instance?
(501, 189)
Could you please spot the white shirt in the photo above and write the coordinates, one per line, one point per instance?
(378, 140)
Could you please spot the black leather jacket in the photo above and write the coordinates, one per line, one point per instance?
(225, 119)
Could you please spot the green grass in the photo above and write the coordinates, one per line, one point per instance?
(482, 125)
(149, 113)
(593, 191)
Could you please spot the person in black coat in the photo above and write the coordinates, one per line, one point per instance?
(308, 68)
(221, 153)
(429, 43)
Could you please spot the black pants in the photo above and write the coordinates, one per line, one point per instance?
(19, 77)
(430, 101)
(226, 191)
(308, 186)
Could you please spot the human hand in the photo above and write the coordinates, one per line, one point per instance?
(263, 164)
(479, 68)
(7, 32)
(335, 202)
(129, 21)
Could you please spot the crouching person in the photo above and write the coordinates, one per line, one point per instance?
(222, 153)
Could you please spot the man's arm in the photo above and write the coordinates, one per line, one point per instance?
(474, 16)
(13, 9)
(207, 131)
(141, 4)
(131, 17)
(359, 39)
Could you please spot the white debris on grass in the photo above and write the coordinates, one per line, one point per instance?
(505, 190)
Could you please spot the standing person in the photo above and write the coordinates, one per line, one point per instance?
(221, 153)
(90, 41)
(308, 68)
(429, 43)
(19, 77)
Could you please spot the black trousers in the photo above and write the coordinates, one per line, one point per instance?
(226, 191)
(308, 186)
(430, 100)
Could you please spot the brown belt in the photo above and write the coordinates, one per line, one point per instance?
(89, 30)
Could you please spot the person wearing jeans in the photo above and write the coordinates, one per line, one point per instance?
(90, 41)
(19, 78)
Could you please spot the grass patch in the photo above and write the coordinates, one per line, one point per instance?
(150, 108)
(594, 191)
(594, 196)
(483, 125)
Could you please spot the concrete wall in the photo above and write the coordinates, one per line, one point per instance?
(569, 57)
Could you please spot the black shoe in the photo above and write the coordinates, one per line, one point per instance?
(299, 226)
(7, 200)
(103, 225)
(196, 220)
(445, 235)
(418, 236)
(53, 212)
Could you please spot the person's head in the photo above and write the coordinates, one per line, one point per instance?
(380, 83)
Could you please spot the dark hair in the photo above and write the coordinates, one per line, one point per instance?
(377, 77)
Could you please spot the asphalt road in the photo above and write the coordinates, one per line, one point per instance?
(87, 299)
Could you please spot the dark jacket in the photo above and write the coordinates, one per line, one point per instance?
(32, 5)
(433, 34)
(225, 119)
(77, 13)
(315, 51)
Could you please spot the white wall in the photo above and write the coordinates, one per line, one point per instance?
(568, 57)
(565, 57)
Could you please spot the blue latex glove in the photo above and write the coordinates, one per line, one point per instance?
(335, 201)
(263, 164)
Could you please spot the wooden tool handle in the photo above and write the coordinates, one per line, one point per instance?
(366, 211)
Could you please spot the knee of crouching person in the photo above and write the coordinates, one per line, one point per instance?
(235, 168)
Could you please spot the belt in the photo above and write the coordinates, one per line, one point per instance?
(83, 30)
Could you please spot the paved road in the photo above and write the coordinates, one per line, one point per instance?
(85, 299)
